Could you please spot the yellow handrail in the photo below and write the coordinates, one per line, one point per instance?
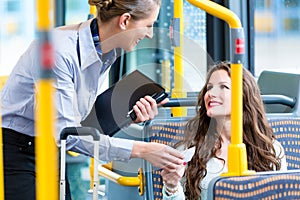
(137, 181)
(237, 155)
(2, 82)
(218, 11)
(93, 10)
(46, 149)
(178, 90)
(92, 14)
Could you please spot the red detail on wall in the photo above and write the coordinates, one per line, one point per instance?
(239, 46)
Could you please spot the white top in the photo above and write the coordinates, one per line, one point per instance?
(215, 167)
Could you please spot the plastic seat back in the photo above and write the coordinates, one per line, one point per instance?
(169, 132)
(272, 185)
(280, 83)
(267, 185)
(287, 131)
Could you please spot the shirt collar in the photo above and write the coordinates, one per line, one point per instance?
(87, 49)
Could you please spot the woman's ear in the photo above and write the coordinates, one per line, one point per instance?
(124, 21)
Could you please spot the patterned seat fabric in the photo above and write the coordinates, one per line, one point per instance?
(260, 186)
(168, 132)
(287, 131)
(275, 185)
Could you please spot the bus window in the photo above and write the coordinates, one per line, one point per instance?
(277, 35)
(16, 32)
(17, 22)
(159, 49)
(76, 11)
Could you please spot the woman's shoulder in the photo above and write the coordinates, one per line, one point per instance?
(277, 146)
(280, 153)
(69, 34)
(73, 27)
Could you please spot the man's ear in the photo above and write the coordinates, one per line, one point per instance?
(124, 20)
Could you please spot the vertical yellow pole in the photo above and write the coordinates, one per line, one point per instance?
(92, 14)
(46, 149)
(43, 15)
(92, 165)
(1, 160)
(93, 10)
(178, 91)
(2, 82)
(237, 155)
(237, 101)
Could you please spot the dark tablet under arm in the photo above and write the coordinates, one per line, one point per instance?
(114, 106)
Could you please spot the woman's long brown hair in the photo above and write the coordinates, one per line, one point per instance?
(257, 134)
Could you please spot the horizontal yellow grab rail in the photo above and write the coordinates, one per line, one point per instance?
(218, 11)
(137, 181)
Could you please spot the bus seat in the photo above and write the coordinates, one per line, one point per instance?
(170, 131)
(279, 83)
(263, 185)
(267, 185)
(166, 131)
(287, 131)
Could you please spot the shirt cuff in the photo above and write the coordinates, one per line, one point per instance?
(110, 149)
(120, 149)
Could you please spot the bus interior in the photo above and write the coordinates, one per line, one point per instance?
(205, 33)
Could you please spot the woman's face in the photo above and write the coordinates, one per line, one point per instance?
(218, 96)
(139, 29)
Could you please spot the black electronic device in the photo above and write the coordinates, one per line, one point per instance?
(114, 106)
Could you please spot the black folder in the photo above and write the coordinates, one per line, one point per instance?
(114, 106)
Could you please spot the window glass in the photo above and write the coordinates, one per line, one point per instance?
(76, 11)
(17, 22)
(277, 35)
(161, 51)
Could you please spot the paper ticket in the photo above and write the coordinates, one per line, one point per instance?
(189, 153)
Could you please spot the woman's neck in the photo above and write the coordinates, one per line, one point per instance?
(107, 33)
(224, 128)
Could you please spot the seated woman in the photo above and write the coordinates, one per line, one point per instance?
(209, 132)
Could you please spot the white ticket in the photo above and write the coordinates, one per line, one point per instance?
(189, 153)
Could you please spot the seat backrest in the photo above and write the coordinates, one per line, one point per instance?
(169, 132)
(279, 83)
(287, 132)
(271, 185)
(267, 185)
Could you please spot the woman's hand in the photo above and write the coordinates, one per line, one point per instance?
(159, 155)
(171, 178)
(146, 108)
